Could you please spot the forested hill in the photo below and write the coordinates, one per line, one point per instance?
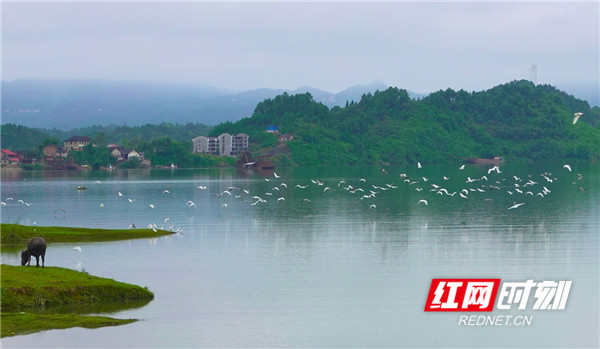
(517, 120)
(17, 137)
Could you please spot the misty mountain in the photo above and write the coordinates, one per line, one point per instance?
(68, 104)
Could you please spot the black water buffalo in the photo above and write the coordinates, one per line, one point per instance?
(35, 247)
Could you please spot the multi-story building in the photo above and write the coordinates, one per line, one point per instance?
(239, 143)
(206, 145)
(76, 143)
(224, 145)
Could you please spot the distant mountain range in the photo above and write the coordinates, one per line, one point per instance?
(68, 104)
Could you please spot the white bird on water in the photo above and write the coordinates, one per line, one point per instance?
(419, 165)
(120, 194)
(77, 248)
(422, 201)
(276, 175)
(151, 206)
(462, 167)
(101, 205)
(567, 167)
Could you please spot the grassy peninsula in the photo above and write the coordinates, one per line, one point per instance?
(14, 234)
(38, 299)
(31, 296)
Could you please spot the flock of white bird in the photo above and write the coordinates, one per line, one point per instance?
(494, 180)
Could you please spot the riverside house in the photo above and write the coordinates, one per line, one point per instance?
(9, 157)
(76, 143)
(124, 154)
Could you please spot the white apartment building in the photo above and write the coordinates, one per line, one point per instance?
(224, 145)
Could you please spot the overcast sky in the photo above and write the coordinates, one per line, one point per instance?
(421, 47)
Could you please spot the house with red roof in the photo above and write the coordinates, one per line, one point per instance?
(9, 157)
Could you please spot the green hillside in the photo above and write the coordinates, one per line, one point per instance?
(19, 137)
(517, 120)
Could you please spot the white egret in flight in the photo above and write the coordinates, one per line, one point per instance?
(516, 205)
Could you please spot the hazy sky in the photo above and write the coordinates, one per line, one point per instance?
(418, 46)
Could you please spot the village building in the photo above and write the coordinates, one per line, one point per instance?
(132, 153)
(224, 145)
(76, 143)
(54, 151)
(122, 154)
(116, 151)
(9, 157)
(272, 129)
(285, 137)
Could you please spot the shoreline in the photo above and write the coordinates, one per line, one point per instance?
(16, 234)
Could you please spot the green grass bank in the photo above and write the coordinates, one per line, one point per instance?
(28, 294)
(14, 324)
(15, 234)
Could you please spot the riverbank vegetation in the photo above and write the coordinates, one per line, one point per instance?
(15, 234)
(35, 299)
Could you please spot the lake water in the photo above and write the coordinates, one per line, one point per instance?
(332, 272)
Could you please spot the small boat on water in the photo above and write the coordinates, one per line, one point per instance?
(81, 188)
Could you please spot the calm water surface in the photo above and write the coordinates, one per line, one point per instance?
(332, 272)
